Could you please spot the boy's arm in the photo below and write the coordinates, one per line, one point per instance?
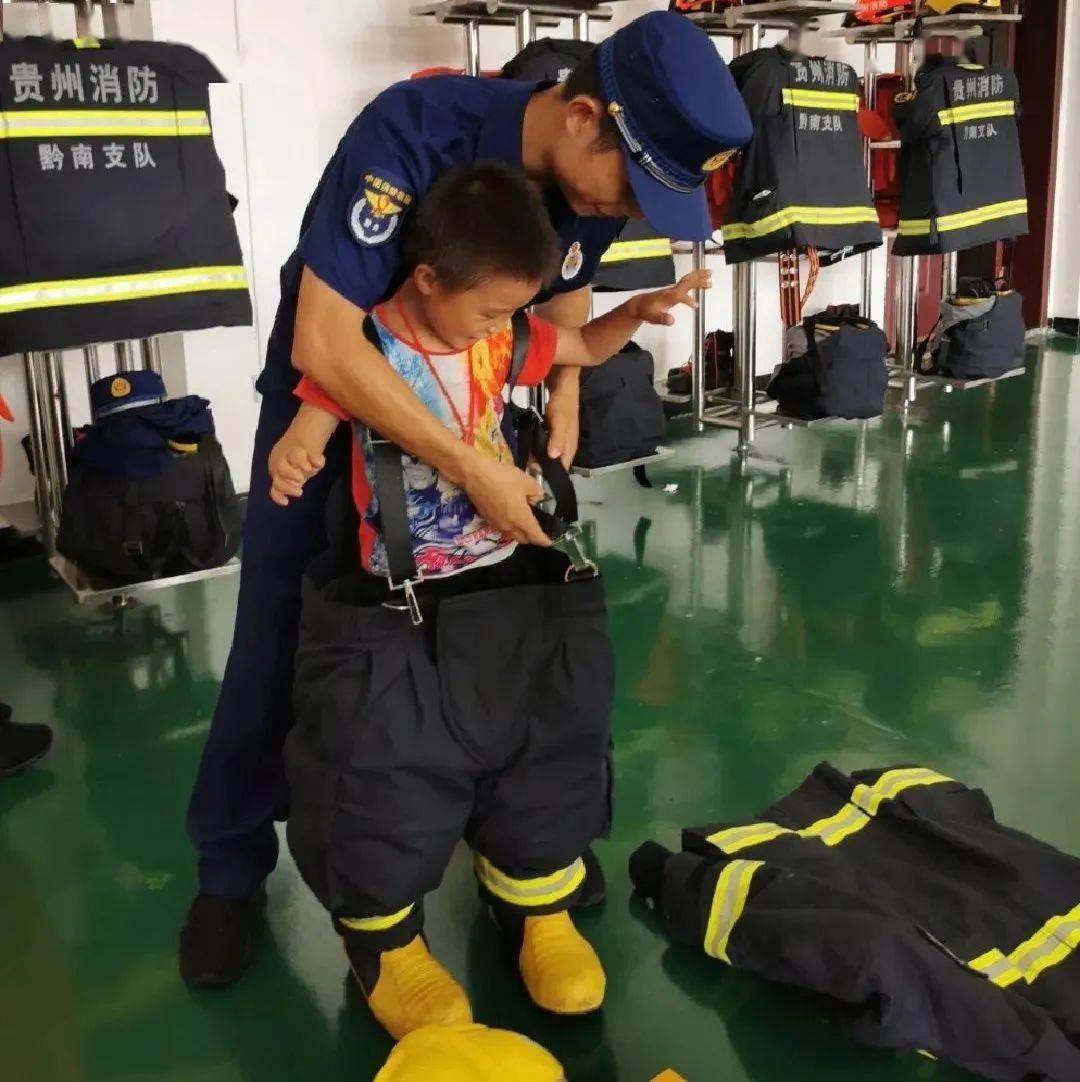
(298, 455)
(603, 337)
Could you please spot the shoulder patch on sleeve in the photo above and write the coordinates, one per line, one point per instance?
(377, 209)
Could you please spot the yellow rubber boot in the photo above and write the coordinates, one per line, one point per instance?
(559, 967)
(414, 990)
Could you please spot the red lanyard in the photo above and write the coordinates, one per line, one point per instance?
(466, 432)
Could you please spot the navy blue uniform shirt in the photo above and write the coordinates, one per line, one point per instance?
(392, 153)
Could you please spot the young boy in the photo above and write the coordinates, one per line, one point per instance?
(490, 721)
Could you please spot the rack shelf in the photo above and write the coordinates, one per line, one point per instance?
(506, 12)
(85, 588)
(778, 15)
(660, 454)
(904, 30)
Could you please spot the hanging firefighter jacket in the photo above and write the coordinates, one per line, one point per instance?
(114, 219)
(897, 895)
(637, 259)
(802, 181)
(961, 175)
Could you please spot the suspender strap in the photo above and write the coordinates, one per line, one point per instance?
(389, 484)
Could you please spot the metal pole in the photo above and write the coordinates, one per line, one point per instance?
(110, 18)
(52, 465)
(92, 363)
(124, 361)
(472, 47)
(150, 349)
(524, 27)
(37, 451)
(697, 356)
(870, 91)
(746, 308)
(581, 26)
(58, 394)
(906, 327)
(948, 274)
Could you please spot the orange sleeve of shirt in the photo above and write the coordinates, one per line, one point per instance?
(309, 391)
(543, 338)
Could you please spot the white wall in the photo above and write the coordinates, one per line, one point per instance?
(1064, 298)
(296, 81)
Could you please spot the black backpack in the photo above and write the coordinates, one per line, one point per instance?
(984, 346)
(130, 529)
(842, 373)
(622, 416)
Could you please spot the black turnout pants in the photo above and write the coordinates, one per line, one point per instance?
(489, 722)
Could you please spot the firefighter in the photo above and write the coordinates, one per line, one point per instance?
(634, 130)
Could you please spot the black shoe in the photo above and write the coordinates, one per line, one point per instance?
(21, 745)
(594, 889)
(216, 940)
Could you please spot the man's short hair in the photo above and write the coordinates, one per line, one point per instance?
(480, 221)
(585, 80)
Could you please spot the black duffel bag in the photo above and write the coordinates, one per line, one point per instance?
(130, 529)
(841, 374)
(980, 334)
(622, 416)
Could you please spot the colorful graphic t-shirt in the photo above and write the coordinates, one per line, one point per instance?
(448, 534)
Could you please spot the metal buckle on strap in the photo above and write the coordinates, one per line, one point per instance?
(570, 546)
(412, 605)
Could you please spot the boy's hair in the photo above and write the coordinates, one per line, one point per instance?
(478, 221)
(585, 80)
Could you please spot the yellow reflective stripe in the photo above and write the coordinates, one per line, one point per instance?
(654, 248)
(728, 902)
(916, 227)
(782, 219)
(543, 890)
(86, 43)
(997, 968)
(980, 215)
(121, 287)
(821, 99)
(735, 838)
(65, 123)
(983, 110)
(375, 924)
(863, 804)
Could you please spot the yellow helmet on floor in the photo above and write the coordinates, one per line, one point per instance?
(960, 7)
(469, 1054)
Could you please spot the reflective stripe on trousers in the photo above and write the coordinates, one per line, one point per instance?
(728, 903)
(541, 890)
(121, 287)
(863, 804)
(376, 924)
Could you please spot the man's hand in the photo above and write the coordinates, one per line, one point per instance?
(656, 307)
(504, 495)
(292, 464)
(563, 414)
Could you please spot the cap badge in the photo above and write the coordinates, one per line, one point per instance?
(717, 161)
(119, 388)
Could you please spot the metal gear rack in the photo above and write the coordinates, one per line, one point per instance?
(905, 34)
(46, 390)
(744, 409)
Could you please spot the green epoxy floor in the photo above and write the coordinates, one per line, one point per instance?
(900, 593)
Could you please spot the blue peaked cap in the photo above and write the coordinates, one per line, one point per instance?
(678, 110)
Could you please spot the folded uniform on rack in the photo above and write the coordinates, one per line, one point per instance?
(114, 218)
(802, 182)
(149, 491)
(898, 896)
(962, 180)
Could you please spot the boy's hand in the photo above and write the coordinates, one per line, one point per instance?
(656, 307)
(291, 465)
